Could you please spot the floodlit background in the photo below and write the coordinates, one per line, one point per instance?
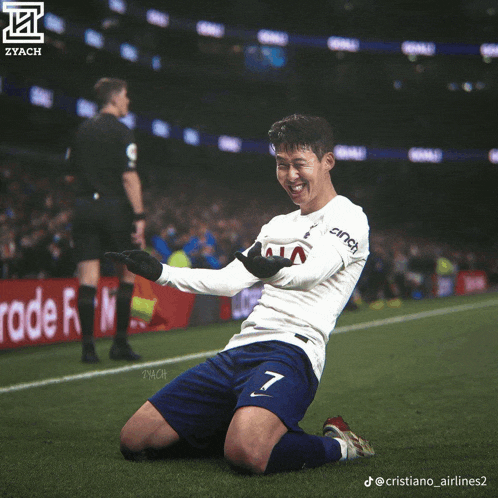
(411, 89)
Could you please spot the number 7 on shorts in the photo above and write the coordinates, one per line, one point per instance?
(275, 378)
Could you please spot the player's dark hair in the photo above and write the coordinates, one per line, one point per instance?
(106, 88)
(299, 130)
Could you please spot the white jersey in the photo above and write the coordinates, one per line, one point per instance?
(328, 249)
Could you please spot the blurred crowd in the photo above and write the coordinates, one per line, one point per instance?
(200, 224)
(35, 224)
(403, 267)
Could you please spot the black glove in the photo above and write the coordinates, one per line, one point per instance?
(259, 266)
(138, 262)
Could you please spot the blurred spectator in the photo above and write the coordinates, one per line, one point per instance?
(421, 268)
(444, 266)
(376, 275)
(201, 247)
(179, 259)
(398, 273)
(164, 242)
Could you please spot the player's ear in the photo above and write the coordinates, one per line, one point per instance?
(328, 160)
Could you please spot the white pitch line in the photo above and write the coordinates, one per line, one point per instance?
(204, 354)
(100, 373)
(417, 316)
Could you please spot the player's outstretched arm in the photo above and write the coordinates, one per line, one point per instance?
(260, 266)
(138, 262)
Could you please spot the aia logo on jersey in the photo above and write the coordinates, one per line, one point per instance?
(297, 251)
(351, 243)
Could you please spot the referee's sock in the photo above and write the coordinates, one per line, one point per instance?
(296, 451)
(123, 306)
(86, 310)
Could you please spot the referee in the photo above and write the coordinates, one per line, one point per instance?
(108, 212)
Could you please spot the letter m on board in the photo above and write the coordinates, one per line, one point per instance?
(23, 22)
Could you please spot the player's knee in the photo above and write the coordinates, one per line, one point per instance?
(130, 443)
(133, 456)
(245, 458)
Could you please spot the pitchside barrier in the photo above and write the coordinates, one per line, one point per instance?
(45, 311)
(464, 282)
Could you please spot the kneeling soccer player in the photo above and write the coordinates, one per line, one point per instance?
(256, 391)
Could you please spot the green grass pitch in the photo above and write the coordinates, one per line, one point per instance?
(423, 391)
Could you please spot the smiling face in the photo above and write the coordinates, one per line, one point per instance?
(305, 178)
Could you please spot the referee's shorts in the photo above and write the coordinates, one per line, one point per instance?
(101, 225)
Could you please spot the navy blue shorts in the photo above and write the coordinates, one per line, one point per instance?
(199, 404)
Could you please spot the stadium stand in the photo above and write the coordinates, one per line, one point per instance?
(209, 84)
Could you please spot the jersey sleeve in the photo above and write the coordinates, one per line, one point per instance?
(349, 236)
(227, 281)
(129, 148)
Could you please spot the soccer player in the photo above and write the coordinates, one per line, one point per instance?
(259, 387)
(108, 212)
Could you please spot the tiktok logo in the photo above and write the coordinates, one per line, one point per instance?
(369, 481)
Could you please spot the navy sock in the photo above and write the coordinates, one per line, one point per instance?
(297, 451)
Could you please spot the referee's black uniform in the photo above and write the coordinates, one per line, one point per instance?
(102, 150)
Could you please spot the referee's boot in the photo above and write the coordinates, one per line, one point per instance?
(89, 355)
(121, 350)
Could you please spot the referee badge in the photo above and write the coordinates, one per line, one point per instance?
(131, 152)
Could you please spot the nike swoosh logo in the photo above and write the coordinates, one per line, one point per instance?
(253, 395)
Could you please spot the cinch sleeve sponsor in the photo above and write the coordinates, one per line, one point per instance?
(350, 238)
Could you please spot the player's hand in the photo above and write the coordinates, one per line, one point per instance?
(138, 262)
(260, 266)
